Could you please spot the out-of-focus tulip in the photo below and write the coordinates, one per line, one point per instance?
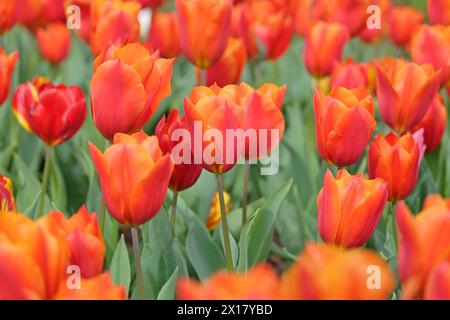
(373, 35)
(349, 208)
(344, 124)
(7, 64)
(259, 283)
(433, 124)
(324, 272)
(214, 212)
(184, 174)
(53, 112)
(204, 29)
(129, 170)
(403, 24)
(150, 3)
(139, 83)
(324, 45)
(8, 14)
(229, 67)
(438, 284)
(28, 12)
(84, 32)
(405, 91)
(54, 41)
(303, 17)
(53, 11)
(267, 26)
(7, 202)
(214, 111)
(424, 247)
(350, 75)
(164, 34)
(117, 24)
(431, 44)
(397, 161)
(439, 11)
(83, 237)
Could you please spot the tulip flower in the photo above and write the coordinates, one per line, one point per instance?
(151, 3)
(344, 124)
(164, 34)
(438, 284)
(83, 237)
(139, 83)
(374, 34)
(439, 11)
(204, 29)
(53, 11)
(54, 42)
(328, 272)
(350, 75)
(84, 32)
(403, 23)
(397, 161)
(405, 91)
(433, 124)
(214, 212)
(229, 67)
(7, 64)
(7, 12)
(349, 208)
(424, 248)
(7, 202)
(303, 17)
(323, 47)
(259, 283)
(28, 12)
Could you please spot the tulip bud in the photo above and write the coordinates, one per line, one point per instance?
(7, 64)
(349, 208)
(7, 202)
(403, 23)
(54, 42)
(397, 161)
(214, 212)
(344, 124)
(439, 11)
(164, 34)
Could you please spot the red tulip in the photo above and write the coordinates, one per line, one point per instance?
(53, 112)
(139, 83)
(53, 11)
(7, 64)
(164, 34)
(373, 35)
(303, 17)
(403, 23)
(438, 284)
(7, 202)
(439, 11)
(8, 14)
(54, 42)
(350, 75)
(84, 32)
(151, 3)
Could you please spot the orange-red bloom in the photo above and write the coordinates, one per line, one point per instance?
(127, 87)
(229, 67)
(150, 3)
(349, 208)
(130, 170)
(8, 14)
(53, 112)
(184, 174)
(7, 202)
(403, 23)
(54, 41)
(439, 11)
(374, 34)
(28, 12)
(84, 32)
(349, 74)
(7, 64)
(303, 17)
(433, 124)
(405, 91)
(164, 34)
(397, 161)
(344, 124)
(205, 26)
(259, 283)
(327, 272)
(323, 47)
(424, 249)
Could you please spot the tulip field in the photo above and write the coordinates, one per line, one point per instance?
(224, 150)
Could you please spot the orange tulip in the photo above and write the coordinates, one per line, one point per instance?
(397, 161)
(8, 13)
(327, 272)
(53, 112)
(403, 23)
(433, 124)
(405, 91)
(204, 29)
(229, 67)
(164, 34)
(54, 42)
(129, 170)
(431, 44)
(259, 283)
(7, 202)
(214, 212)
(83, 237)
(323, 47)
(439, 11)
(344, 124)
(373, 35)
(424, 248)
(7, 64)
(140, 82)
(349, 208)
(349, 74)
(303, 17)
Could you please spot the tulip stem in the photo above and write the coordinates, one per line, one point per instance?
(245, 191)
(44, 183)
(223, 213)
(102, 209)
(173, 212)
(393, 227)
(137, 262)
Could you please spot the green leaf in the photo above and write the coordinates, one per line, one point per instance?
(120, 265)
(167, 292)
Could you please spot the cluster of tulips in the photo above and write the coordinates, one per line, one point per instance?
(131, 78)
